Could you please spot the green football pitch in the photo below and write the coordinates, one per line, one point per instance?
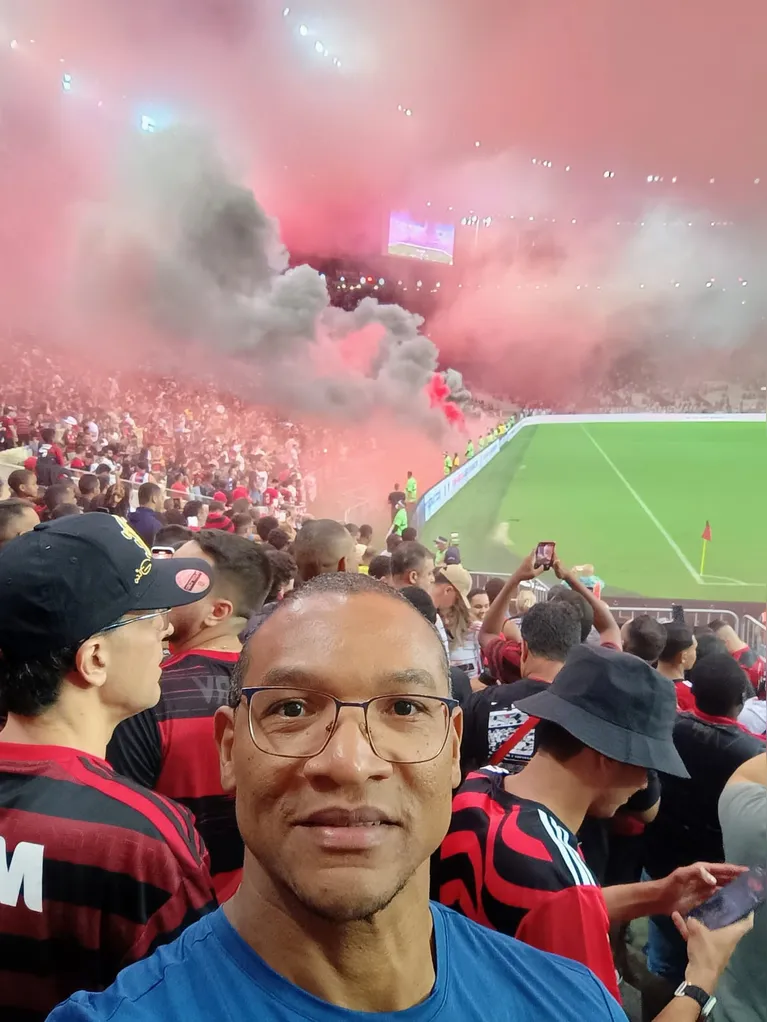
(630, 498)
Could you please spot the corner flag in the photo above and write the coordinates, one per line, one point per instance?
(706, 537)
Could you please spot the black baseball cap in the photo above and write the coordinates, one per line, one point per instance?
(616, 704)
(67, 579)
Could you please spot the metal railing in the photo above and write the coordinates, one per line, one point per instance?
(692, 616)
(754, 633)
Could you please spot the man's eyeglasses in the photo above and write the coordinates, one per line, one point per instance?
(299, 723)
(164, 614)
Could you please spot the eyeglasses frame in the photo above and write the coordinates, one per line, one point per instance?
(451, 704)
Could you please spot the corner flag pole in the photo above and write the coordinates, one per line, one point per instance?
(706, 537)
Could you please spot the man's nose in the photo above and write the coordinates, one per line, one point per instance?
(349, 758)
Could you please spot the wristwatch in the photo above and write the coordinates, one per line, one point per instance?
(706, 1001)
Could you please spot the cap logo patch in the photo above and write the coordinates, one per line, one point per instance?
(128, 533)
(191, 580)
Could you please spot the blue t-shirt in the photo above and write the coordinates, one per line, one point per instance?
(211, 974)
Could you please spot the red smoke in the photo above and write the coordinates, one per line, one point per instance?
(438, 393)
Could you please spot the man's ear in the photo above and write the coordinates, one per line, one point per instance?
(342, 565)
(524, 654)
(223, 728)
(455, 736)
(220, 610)
(91, 661)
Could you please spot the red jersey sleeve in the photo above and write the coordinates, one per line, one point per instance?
(574, 923)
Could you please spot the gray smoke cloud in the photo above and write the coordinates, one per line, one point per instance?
(192, 253)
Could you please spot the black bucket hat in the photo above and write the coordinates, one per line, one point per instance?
(616, 704)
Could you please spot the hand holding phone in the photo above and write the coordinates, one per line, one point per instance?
(734, 901)
(545, 554)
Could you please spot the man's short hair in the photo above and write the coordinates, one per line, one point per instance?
(380, 567)
(393, 540)
(241, 567)
(583, 608)
(55, 494)
(21, 477)
(409, 535)
(320, 546)
(709, 643)
(31, 685)
(241, 506)
(217, 505)
(47, 435)
(265, 525)
(645, 638)
(192, 509)
(556, 741)
(173, 536)
(422, 602)
(148, 492)
(283, 570)
(493, 587)
(679, 637)
(279, 539)
(64, 510)
(242, 522)
(366, 533)
(551, 630)
(718, 684)
(344, 584)
(12, 508)
(352, 529)
(88, 484)
(409, 557)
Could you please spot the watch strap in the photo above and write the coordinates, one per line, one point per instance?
(705, 1001)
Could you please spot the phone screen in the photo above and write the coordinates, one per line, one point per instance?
(162, 552)
(544, 554)
(734, 901)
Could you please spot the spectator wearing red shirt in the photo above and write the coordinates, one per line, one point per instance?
(110, 870)
(170, 747)
(754, 666)
(271, 496)
(678, 656)
(217, 519)
(511, 859)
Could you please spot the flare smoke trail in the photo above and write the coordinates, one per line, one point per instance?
(193, 254)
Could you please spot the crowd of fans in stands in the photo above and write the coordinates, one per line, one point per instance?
(239, 755)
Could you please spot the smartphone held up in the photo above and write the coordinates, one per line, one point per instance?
(545, 554)
(734, 901)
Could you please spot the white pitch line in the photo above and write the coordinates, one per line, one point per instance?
(669, 539)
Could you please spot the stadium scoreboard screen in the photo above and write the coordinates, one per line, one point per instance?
(420, 239)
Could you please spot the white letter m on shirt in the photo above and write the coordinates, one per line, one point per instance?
(24, 870)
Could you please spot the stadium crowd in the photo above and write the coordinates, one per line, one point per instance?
(193, 440)
(292, 770)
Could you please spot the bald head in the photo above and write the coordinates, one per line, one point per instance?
(324, 547)
(348, 619)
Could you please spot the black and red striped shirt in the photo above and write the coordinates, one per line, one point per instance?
(172, 749)
(95, 873)
(510, 864)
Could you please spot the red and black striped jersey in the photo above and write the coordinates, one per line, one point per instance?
(510, 864)
(95, 873)
(172, 749)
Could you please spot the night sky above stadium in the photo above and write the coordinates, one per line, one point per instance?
(638, 119)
